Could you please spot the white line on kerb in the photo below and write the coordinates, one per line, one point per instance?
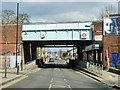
(69, 87)
(65, 80)
(52, 80)
(50, 86)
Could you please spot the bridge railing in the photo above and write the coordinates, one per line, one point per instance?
(95, 67)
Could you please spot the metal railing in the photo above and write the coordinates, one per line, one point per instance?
(95, 67)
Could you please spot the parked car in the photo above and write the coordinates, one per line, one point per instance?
(51, 60)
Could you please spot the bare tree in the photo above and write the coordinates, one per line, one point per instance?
(23, 18)
(6, 15)
(107, 10)
(13, 20)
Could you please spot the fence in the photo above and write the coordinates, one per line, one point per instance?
(95, 67)
(10, 61)
(4, 60)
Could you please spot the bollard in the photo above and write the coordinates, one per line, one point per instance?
(102, 70)
(90, 66)
(21, 66)
(93, 68)
(96, 67)
(99, 69)
(18, 69)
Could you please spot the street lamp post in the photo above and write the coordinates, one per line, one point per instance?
(102, 41)
(17, 65)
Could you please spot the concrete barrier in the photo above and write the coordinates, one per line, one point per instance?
(29, 65)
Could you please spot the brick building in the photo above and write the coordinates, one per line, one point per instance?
(112, 44)
(93, 52)
(9, 35)
(8, 44)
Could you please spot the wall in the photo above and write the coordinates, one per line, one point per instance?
(9, 33)
(10, 61)
(97, 28)
(110, 42)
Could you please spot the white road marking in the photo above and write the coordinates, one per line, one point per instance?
(50, 86)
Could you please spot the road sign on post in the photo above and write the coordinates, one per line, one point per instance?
(107, 58)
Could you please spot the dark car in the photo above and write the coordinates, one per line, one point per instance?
(51, 60)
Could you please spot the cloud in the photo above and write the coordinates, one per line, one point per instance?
(39, 20)
(76, 15)
(70, 11)
(69, 16)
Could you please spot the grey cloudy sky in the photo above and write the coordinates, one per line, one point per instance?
(59, 11)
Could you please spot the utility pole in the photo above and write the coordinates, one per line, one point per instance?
(6, 36)
(103, 33)
(17, 64)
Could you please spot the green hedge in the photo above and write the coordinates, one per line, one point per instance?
(118, 66)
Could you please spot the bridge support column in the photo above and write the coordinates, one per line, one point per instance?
(87, 56)
(79, 52)
(34, 54)
(26, 48)
(30, 52)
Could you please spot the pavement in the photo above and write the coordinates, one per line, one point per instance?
(12, 75)
(105, 76)
(52, 78)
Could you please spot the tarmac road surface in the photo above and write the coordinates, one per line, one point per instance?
(51, 78)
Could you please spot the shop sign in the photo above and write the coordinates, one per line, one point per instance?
(98, 37)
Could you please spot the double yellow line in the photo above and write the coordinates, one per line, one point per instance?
(88, 77)
(15, 81)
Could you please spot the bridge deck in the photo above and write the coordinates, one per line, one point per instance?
(58, 31)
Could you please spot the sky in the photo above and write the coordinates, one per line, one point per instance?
(59, 11)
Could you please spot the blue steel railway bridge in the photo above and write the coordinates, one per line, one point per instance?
(72, 34)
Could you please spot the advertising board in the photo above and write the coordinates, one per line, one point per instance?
(111, 26)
